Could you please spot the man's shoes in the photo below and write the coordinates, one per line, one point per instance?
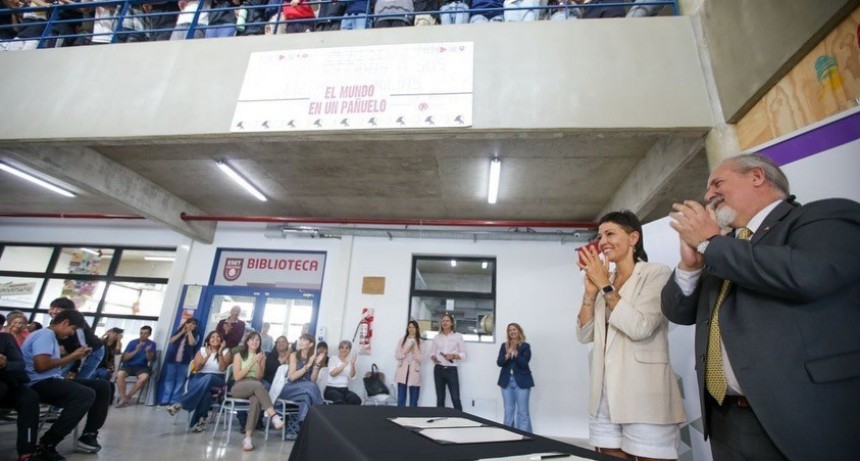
(200, 426)
(48, 453)
(247, 444)
(123, 402)
(89, 443)
(173, 409)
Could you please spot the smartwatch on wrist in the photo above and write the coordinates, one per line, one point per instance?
(607, 289)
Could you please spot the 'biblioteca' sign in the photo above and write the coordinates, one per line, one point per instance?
(277, 269)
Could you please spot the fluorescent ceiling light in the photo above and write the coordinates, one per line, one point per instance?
(495, 170)
(92, 252)
(453, 263)
(484, 265)
(35, 180)
(241, 181)
(159, 258)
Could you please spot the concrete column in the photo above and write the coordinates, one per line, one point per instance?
(721, 144)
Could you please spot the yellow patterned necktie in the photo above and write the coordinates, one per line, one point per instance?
(715, 376)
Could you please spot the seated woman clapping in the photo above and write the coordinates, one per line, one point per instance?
(341, 370)
(279, 355)
(304, 370)
(208, 368)
(248, 367)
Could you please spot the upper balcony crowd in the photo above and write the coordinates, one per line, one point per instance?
(30, 24)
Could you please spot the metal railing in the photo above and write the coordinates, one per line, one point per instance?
(69, 23)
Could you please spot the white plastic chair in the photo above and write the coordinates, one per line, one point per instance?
(231, 406)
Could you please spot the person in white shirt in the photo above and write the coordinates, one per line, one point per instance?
(341, 370)
(447, 351)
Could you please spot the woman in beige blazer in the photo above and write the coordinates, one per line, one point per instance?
(409, 354)
(635, 403)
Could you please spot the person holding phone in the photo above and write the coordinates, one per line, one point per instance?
(136, 361)
(183, 343)
(232, 328)
(409, 355)
(635, 403)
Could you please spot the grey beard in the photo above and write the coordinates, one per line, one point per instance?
(725, 216)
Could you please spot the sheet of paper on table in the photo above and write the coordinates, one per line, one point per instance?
(485, 434)
(437, 422)
(552, 455)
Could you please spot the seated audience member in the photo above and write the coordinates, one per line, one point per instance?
(183, 23)
(207, 375)
(103, 24)
(427, 19)
(299, 15)
(9, 20)
(76, 397)
(32, 26)
(180, 351)
(85, 368)
(564, 14)
(113, 346)
(136, 361)
(454, 12)
(248, 367)
(641, 11)
(132, 29)
(513, 13)
(593, 11)
(222, 21)
(489, 16)
(15, 394)
(161, 19)
(405, 7)
(301, 384)
(251, 20)
(341, 370)
(278, 356)
(16, 325)
(355, 16)
(332, 11)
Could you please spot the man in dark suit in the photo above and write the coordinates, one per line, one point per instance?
(778, 365)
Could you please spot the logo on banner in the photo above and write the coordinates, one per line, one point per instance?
(233, 268)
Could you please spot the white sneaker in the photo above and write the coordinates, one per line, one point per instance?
(277, 422)
(247, 445)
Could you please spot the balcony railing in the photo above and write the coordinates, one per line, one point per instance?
(29, 25)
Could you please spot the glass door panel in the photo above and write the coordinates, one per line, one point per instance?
(222, 304)
(288, 317)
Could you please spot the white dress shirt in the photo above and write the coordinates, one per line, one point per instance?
(451, 343)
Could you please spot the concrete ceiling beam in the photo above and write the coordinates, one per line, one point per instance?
(649, 181)
(90, 171)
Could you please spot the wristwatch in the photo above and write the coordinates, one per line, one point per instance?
(607, 289)
(702, 246)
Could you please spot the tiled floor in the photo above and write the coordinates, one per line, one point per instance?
(141, 433)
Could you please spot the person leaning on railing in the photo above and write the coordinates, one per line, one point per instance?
(296, 10)
(387, 7)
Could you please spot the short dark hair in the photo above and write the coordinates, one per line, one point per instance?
(72, 316)
(63, 303)
(146, 327)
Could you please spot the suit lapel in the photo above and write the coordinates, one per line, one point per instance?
(628, 291)
(771, 220)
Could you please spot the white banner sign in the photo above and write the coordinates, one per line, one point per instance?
(281, 269)
(17, 289)
(424, 85)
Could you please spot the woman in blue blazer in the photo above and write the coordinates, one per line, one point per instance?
(515, 378)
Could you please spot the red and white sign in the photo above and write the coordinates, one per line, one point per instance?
(281, 269)
(420, 85)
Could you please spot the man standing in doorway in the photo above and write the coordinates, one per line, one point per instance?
(776, 304)
(232, 329)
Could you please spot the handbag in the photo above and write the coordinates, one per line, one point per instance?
(374, 382)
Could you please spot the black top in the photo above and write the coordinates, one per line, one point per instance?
(13, 373)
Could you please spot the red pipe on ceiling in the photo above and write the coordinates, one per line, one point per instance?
(395, 222)
(347, 221)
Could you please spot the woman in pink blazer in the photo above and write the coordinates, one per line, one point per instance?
(409, 354)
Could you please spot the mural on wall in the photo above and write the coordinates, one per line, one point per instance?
(824, 83)
(80, 291)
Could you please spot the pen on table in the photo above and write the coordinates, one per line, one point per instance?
(549, 456)
(437, 419)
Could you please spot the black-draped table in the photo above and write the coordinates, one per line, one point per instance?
(364, 433)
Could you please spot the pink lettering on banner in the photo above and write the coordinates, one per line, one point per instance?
(300, 265)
